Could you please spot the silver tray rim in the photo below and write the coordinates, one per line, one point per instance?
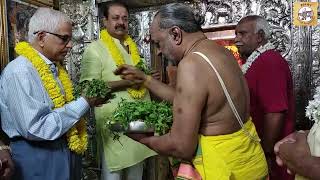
(137, 126)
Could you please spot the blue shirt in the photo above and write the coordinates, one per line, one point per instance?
(26, 108)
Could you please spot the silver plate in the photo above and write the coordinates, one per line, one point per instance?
(134, 127)
(139, 126)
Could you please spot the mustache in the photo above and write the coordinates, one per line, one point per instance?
(120, 27)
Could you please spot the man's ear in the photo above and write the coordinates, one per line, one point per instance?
(176, 34)
(261, 35)
(41, 38)
(104, 19)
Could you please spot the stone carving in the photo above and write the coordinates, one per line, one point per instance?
(221, 12)
(316, 54)
(85, 30)
(278, 14)
(139, 24)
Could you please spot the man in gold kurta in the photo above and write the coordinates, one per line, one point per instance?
(99, 61)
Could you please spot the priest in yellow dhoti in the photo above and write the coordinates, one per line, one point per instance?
(212, 128)
(100, 59)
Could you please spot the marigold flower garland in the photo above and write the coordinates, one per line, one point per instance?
(77, 135)
(235, 52)
(118, 59)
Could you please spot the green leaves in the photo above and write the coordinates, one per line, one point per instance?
(154, 114)
(93, 88)
(143, 67)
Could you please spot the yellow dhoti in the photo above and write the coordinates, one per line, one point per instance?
(232, 156)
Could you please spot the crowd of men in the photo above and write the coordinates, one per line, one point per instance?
(229, 122)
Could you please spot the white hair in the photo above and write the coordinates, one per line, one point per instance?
(262, 24)
(46, 19)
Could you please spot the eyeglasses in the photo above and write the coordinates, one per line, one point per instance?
(64, 38)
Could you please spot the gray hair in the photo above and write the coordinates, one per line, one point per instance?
(181, 15)
(46, 19)
(261, 24)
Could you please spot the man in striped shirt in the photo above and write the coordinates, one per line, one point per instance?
(29, 113)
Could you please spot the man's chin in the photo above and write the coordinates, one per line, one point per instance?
(60, 59)
(121, 33)
(240, 52)
(239, 48)
(170, 59)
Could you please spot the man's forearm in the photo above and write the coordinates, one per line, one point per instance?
(159, 144)
(273, 125)
(160, 89)
(119, 85)
(166, 145)
(307, 167)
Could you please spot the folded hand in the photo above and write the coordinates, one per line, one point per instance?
(292, 150)
(290, 138)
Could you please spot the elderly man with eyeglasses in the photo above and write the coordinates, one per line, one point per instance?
(38, 111)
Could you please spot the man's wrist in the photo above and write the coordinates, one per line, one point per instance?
(147, 80)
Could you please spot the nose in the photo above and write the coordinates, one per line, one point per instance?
(69, 44)
(237, 38)
(121, 21)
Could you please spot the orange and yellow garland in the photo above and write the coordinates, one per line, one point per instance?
(118, 59)
(235, 53)
(77, 136)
